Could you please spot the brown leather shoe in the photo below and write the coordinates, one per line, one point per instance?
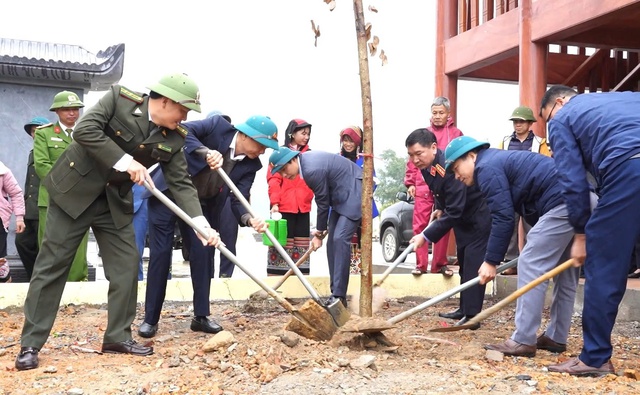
(512, 347)
(576, 367)
(27, 358)
(545, 343)
(127, 347)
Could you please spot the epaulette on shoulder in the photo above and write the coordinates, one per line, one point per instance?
(44, 126)
(182, 131)
(124, 92)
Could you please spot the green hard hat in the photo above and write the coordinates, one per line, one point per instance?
(66, 99)
(523, 113)
(460, 146)
(179, 88)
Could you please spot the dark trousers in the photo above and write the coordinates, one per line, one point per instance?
(161, 229)
(141, 229)
(27, 245)
(470, 258)
(227, 226)
(612, 232)
(62, 237)
(221, 218)
(341, 230)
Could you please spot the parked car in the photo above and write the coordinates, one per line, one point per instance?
(396, 227)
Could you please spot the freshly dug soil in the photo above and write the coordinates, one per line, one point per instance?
(258, 356)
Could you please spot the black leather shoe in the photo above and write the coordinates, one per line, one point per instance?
(334, 298)
(147, 330)
(454, 315)
(466, 319)
(27, 358)
(127, 347)
(203, 324)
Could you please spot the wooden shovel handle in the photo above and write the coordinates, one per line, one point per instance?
(519, 292)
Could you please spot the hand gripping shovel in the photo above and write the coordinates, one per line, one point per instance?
(303, 258)
(322, 332)
(338, 312)
(373, 327)
(504, 302)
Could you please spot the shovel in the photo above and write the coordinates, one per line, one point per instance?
(338, 312)
(303, 258)
(223, 250)
(375, 326)
(504, 302)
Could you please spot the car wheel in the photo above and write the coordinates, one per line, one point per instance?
(390, 246)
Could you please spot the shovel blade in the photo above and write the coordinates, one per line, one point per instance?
(312, 321)
(338, 312)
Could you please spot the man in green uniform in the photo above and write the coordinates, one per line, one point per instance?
(90, 186)
(49, 143)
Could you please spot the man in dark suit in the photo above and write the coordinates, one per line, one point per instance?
(27, 241)
(457, 207)
(211, 143)
(90, 186)
(336, 183)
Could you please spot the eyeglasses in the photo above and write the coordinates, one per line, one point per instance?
(552, 108)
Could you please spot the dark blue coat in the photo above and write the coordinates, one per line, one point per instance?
(514, 181)
(593, 132)
(216, 133)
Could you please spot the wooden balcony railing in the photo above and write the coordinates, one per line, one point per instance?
(472, 13)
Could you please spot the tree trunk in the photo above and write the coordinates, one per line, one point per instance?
(367, 181)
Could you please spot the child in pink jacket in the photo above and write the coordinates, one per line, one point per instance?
(11, 202)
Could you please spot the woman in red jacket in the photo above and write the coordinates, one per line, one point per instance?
(292, 199)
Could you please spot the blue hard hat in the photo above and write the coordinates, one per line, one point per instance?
(460, 146)
(261, 129)
(280, 158)
(35, 121)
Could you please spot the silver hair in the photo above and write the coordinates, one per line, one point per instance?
(442, 101)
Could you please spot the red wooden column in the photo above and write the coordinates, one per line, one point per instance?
(532, 72)
(446, 27)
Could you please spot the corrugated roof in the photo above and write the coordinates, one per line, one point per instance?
(36, 58)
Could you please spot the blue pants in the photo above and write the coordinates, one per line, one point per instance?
(161, 228)
(141, 229)
(341, 229)
(227, 226)
(612, 232)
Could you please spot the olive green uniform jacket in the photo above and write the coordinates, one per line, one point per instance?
(81, 183)
(49, 143)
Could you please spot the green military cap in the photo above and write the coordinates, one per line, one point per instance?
(523, 113)
(66, 99)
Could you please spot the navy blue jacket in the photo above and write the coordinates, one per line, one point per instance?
(463, 207)
(515, 181)
(592, 133)
(216, 133)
